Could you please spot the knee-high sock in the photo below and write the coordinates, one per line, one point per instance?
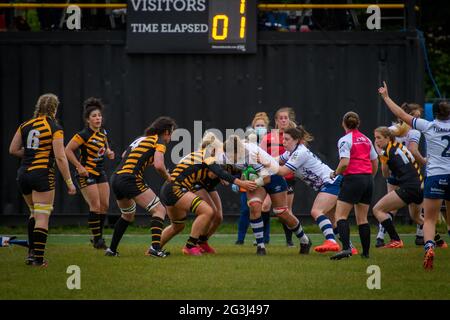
(344, 233)
(287, 233)
(94, 222)
(390, 229)
(326, 227)
(119, 229)
(258, 230)
(364, 235)
(31, 223)
(298, 230)
(266, 220)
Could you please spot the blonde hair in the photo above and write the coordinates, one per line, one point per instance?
(46, 105)
(386, 132)
(261, 116)
(401, 129)
(211, 143)
(290, 112)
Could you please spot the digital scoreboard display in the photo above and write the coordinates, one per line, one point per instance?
(191, 26)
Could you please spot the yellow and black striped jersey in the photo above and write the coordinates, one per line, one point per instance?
(93, 146)
(194, 168)
(37, 138)
(401, 163)
(139, 155)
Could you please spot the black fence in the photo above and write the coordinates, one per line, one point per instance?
(320, 75)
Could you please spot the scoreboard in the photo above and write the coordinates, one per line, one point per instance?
(191, 26)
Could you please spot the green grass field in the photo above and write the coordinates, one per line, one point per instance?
(234, 273)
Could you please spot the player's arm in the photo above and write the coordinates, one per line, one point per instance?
(160, 167)
(224, 175)
(385, 169)
(374, 163)
(413, 147)
(70, 150)
(342, 166)
(109, 153)
(61, 160)
(396, 110)
(16, 148)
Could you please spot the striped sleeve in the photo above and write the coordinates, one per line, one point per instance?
(296, 160)
(420, 124)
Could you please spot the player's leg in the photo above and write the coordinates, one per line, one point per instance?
(324, 203)
(281, 210)
(127, 208)
(215, 221)
(288, 232)
(193, 203)
(265, 214)
(91, 195)
(432, 208)
(244, 219)
(104, 193)
(381, 231)
(389, 203)
(254, 202)
(416, 214)
(177, 224)
(43, 207)
(343, 228)
(30, 225)
(361, 211)
(152, 204)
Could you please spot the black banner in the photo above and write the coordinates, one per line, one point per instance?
(191, 26)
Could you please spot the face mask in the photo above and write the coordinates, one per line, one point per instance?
(261, 131)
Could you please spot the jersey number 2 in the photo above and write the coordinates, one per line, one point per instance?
(445, 153)
(33, 139)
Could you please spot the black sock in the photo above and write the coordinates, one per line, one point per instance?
(202, 239)
(192, 242)
(390, 229)
(102, 221)
(119, 229)
(336, 232)
(364, 235)
(156, 228)
(39, 242)
(31, 223)
(94, 222)
(287, 233)
(266, 220)
(344, 233)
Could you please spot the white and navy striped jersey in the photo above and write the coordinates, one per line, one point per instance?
(437, 137)
(307, 167)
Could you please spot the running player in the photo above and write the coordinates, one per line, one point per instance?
(178, 194)
(272, 143)
(130, 188)
(397, 160)
(410, 138)
(437, 181)
(40, 143)
(298, 159)
(92, 142)
(359, 164)
(243, 155)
